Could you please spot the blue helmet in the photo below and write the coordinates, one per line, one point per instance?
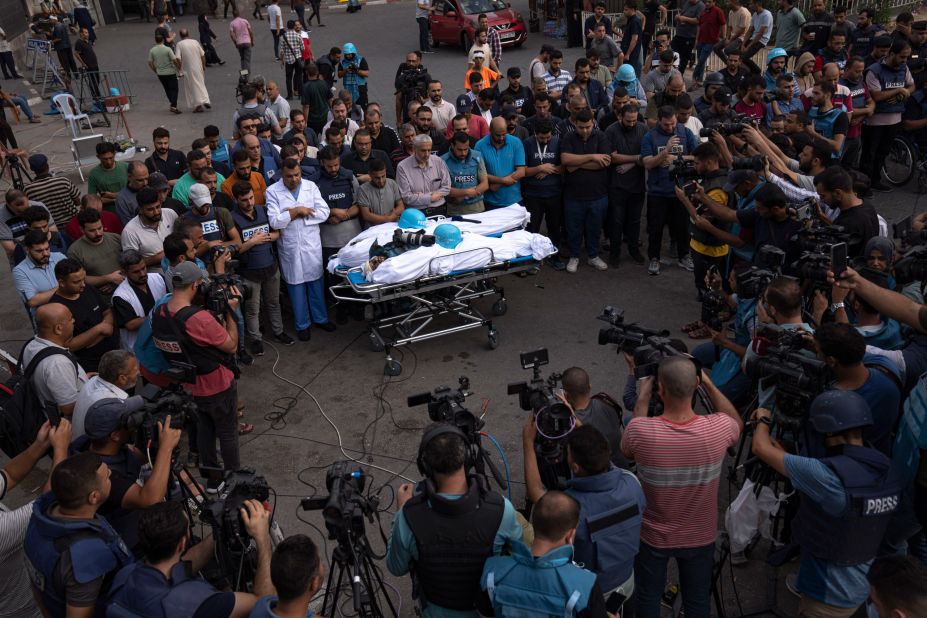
(626, 73)
(448, 236)
(412, 218)
(776, 52)
(348, 48)
(836, 411)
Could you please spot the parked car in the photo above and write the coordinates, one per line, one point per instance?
(454, 22)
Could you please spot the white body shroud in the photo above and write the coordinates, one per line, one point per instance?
(357, 251)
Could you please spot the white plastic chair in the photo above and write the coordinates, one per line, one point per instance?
(67, 105)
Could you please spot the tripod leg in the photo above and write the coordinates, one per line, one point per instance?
(378, 587)
(336, 566)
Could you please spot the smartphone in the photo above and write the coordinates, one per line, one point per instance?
(838, 259)
(902, 227)
(53, 414)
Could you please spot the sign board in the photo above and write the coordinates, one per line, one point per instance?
(39, 45)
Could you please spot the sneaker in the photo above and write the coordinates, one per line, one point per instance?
(328, 327)
(654, 268)
(212, 487)
(572, 265)
(638, 257)
(244, 358)
(556, 263)
(284, 338)
(257, 348)
(598, 263)
(685, 262)
(303, 335)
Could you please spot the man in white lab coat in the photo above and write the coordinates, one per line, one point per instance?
(296, 208)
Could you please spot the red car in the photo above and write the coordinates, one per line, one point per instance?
(454, 22)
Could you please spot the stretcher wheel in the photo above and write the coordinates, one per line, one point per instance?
(500, 307)
(392, 368)
(375, 343)
(493, 339)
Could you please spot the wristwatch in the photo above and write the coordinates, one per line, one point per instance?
(835, 306)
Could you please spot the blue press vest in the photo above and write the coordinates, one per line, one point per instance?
(550, 185)
(824, 124)
(96, 551)
(338, 191)
(857, 92)
(608, 535)
(259, 256)
(551, 586)
(464, 173)
(873, 496)
(141, 591)
(658, 179)
(889, 79)
(210, 223)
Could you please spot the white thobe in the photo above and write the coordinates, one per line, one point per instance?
(299, 245)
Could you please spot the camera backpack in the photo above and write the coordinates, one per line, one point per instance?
(21, 412)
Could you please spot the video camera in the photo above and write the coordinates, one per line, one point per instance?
(797, 376)
(412, 83)
(446, 406)
(683, 170)
(912, 266)
(172, 401)
(626, 336)
(756, 163)
(724, 128)
(820, 238)
(218, 292)
(224, 513)
(345, 506)
(243, 77)
(767, 266)
(552, 417)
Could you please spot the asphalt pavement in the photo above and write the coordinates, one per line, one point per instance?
(326, 400)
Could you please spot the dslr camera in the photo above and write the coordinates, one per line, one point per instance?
(724, 128)
(417, 238)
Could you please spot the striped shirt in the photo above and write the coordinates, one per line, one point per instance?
(59, 195)
(557, 83)
(15, 591)
(679, 467)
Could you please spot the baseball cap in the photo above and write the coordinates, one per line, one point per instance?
(883, 40)
(158, 181)
(722, 95)
(187, 272)
(199, 194)
(509, 111)
(516, 72)
(920, 25)
(479, 54)
(738, 176)
(463, 104)
(38, 162)
(108, 415)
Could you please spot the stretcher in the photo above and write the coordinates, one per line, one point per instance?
(406, 312)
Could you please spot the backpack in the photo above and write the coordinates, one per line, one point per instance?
(21, 412)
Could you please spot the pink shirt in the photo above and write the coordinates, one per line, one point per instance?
(240, 30)
(679, 467)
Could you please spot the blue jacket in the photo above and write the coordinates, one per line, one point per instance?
(608, 536)
(550, 585)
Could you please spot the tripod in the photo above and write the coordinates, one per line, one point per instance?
(353, 557)
(12, 164)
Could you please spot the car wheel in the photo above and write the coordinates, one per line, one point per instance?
(466, 42)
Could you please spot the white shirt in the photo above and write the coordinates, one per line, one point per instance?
(352, 128)
(273, 14)
(146, 240)
(300, 245)
(94, 389)
(441, 114)
(695, 125)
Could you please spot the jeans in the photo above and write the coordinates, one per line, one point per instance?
(294, 80)
(171, 87)
(683, 46)
(316, 11)
(666, 210)
(218, 418)
(877, 141)
(8, 65)
(624, 219)
(423, 33)
(308, 298)
(584, 219)
(695, 567)
(704, 51)
(225, 8)
(276, 35)
(301, 15)
(264, 294)
(549, 208)
(244, 53)
(746, 58)
(22, 104)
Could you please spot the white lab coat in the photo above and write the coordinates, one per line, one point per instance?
(299, 246)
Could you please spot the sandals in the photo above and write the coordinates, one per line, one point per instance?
(691, 326)
(245, 428)
(702, 332)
